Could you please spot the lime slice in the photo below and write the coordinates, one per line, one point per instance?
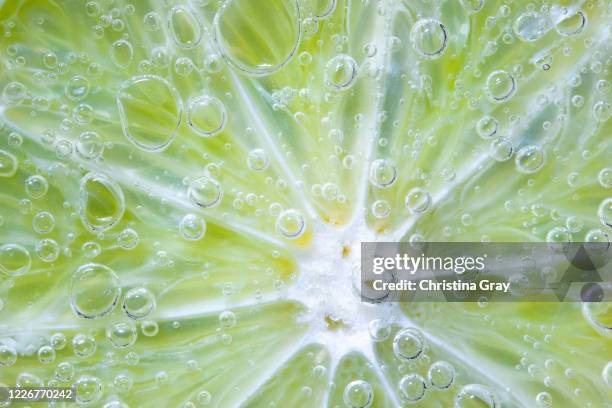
(185, 187)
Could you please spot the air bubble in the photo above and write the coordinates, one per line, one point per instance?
(429, 38)
(441, 375)
(139, 303)
(602, 111)
(408, 344)
(47, 250)
(143, 94)
(568, 25)
(8, 164)
(544, 399)
(290, 223)
(529, 159)
(46, 354)
(192, 227)
(379, 330)
(501, 149)
(473, 395)
(604, 212)
(417, 200)
(604, 177)
(358, 394)
(89, 145)
(122, 53)
(227, 319)
(8, 356)
(185, 27)
(205, 192)
(341, 71)
(83, 345)
(487, 126)
(77, 88)
(15, 260)
(94, 291)
(101, 202)
(88, 389)
(529, 26)
(412, 388)
(36, 186)
(472, 6)
(257, 160)
(277, 27)
(206, 116)
(501, 86)
(14, 92)
(122, 335)
(383, 173)
(381, 209)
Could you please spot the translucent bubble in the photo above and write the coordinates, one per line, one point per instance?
(290, 223)
(605, 177)
(529, 159)
(408, 344)
(149, 328)
(206, 116)
(341, 72)
(27, 380)
(203, 397)
(83, 114)
(183, 66)
(123, 383)
(128, 239)
(441, 375)
(476, 395)
(122, 53)
(558, 235)
(149, 93)
(14, 92)
(472, 6)
(83, 345)
(47, 250)
(36, 186)
(544, 399)
(487, 126)
(122, 335)
(8, 164)
(184, 27)
(501, 85)
(46, 354)
(205, 192)
(88, 389)
(381, 209)
(383, 173)
(417, 200)
(58, 341)
(89, 145)
(101, 202)
(604, 212)
(64, 371)
(257, 160)
(192, 227)
(139, 303)
(277, 24)
(358, 394)
(77, 88)
(606, 374)
(568, 24)
(94, 291)
(501, 149)
(227, 319)
(15, 260)
(530, 26)
(8, 356)
(412, 388)
(429, 38)
(597, 236)
(602, 111)
(379, 330)
(152, 21)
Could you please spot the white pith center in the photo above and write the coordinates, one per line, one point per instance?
(329, 285)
